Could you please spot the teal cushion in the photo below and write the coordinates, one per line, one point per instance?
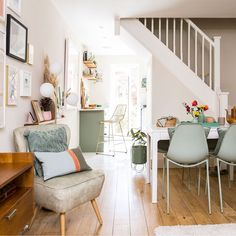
(54, 140)
(61, 163)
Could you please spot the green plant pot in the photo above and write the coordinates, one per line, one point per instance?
(139, 154)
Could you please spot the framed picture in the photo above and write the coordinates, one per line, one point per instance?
(25, 83)
(12, 77)
(2, 10)
(30, 54)
(37, 110)
(15, 6)
(17, 36)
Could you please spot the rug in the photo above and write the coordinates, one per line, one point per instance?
(197, 230)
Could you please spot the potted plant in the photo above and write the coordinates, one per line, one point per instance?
(46, 104)
(139, 148)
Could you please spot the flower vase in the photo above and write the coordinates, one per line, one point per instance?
(201, 118)
(195, 120)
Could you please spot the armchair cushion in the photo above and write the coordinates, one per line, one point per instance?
(64, 193)
(54, 140)
(61, 163)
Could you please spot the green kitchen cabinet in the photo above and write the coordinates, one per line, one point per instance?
(89, 129)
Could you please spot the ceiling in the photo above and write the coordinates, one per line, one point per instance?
(93, 20)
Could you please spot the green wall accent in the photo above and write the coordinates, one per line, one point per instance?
(89, 130)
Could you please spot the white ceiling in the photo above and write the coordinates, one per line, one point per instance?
(93, 20)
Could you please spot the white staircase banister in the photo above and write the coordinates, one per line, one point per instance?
(199, 31)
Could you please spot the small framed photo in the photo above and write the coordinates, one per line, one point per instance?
(12, 78)
(30, 54)
(17, 39)
(25, 83)
(2, 10)
(37, 110)
(15, 6)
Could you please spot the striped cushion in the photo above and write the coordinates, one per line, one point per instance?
(61, 163)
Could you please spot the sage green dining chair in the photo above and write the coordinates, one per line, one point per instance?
(188, 148)
(227, 155)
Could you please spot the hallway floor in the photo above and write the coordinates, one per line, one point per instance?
(126, 207)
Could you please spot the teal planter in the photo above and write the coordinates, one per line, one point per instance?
(139, 154)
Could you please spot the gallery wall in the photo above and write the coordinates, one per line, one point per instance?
(47, 32)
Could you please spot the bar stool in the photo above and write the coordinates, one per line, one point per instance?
(116, 119)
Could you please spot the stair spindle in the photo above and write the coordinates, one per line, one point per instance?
(181, 39)
(160, 28)
(196, 51)
(174, 26)
(203, 62)
(189, 44)
(152, 27)
(210, 66)
(167, 32)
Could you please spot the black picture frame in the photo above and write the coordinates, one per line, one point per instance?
(9, 50)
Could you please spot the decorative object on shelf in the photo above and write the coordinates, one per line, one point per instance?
(15, 6)
(61, 97)
(46, 104)
(51, 73)
(167, 121)
(2, 10)
(139, 148)
(30, 54)
(231, 118)
(25, 83)
(196, 111)
(17, 36)
(12, 77)
(37, 110)
(30, 119)
(85, 56)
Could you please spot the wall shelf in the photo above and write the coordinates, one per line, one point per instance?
(90, 64)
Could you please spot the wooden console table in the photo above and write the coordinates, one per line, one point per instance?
(16, 211)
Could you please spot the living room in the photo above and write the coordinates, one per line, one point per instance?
(113, 117)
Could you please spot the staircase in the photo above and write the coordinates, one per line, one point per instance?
(186, 52)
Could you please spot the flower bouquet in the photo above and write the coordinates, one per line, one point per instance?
(196, 111)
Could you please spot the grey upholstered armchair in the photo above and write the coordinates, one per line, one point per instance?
(61, 194)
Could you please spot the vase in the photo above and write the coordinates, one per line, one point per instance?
(201, 118)
(47, 115)
(195, 120)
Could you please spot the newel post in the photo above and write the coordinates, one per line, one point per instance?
(217, 63)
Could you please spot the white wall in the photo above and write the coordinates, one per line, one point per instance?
(47, 32)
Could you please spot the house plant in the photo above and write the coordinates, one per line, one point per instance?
(139, 148)
(196, 111)
(46, 106)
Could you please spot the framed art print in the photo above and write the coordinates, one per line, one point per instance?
(12, 77)
(15, 6)
(17, 36)
(37, 110)
(25, 83)
(2, 10)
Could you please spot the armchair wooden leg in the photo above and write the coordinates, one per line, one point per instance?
(63, 223)
(97, 212)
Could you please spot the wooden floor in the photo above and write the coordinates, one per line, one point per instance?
(126, 207)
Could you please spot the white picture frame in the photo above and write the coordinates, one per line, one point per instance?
(30, 54)
(25, 83)
(15, 6)
(12, 80)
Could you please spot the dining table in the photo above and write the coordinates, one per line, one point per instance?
(154, 135)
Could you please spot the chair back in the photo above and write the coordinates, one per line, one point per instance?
(20, 141)
(188, 144)
(227, 149)
(119, 113)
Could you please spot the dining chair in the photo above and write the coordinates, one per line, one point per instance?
(188, 148)
(116, 119)
(227, 155)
